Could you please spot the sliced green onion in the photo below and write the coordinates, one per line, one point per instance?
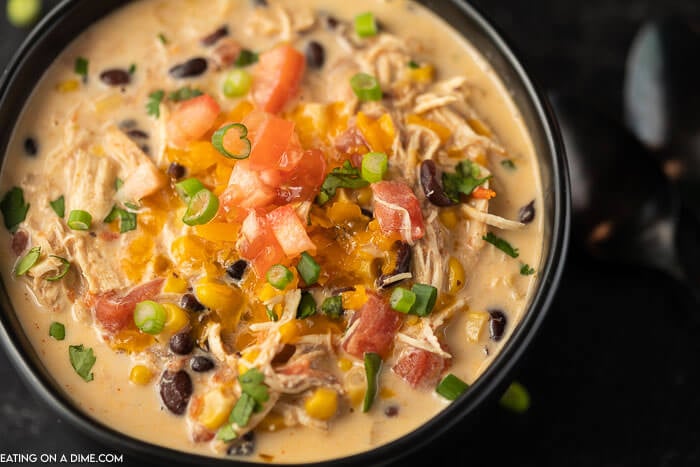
(217, 139)
(14, 209)
(240, 415)
(366, 87)
(333, 307)
(237, 83)
(426, 296)
(150, 316)
(308, 268)
(451, 387)
(59, 206)
(57, 331)
(307, 306)
(226, 433)
(374, 166)
(516, 398)
(22, 13)
(118, 183)
(365, 25)
(81, 67)
(27, 261)
(272, 316)
(64, 269)
(246, 57)
(79, 220)
(186, 189)
(373, 364)
(402, 300)
(201, 208)
(279, 276)
(127, 219)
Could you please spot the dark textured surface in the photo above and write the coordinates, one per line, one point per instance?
(613, 374)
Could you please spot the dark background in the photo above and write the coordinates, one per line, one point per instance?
(613, 374)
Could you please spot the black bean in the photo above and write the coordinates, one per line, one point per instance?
(403, 265)
(331, 22)
(245, 446)
(176, 170)
(527, 213)
(391, 411)
(214, 37)
(315, 55)
(191, 68)
(175, 390)
(182, 343)
(201, 364)
(137, 134)
(128, 124)
(31, 147)
(367, 212)
(145, 148)
(261, 3)
(432, 186)
(236, 270)
(284, 355)
(190, 303)
(115, 77)
(497, 324)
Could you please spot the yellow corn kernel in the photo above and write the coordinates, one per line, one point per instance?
(456, 275)
(272, 422)
(364, 196)
(289, 332)
(108, 103)
(443, 132)
(322, 404)
(216, 407)
(475, 324)
(423, 74)
(412, 320)
(241, 111)
(267, 291)
(218, 231)
(140, 375)
(174, 284)
(131, 341)
(354, 299)
(342, 211)
(217, 297)
(175, 318)
(386, 393)
(69, 85)
(449, 218)
(345, 364)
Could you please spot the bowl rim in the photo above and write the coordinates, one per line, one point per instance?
(493, 379)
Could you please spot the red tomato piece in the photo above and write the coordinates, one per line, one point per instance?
(420, 368)
(271, 137)
(290, 231)
(277, 76)
(192, 119)
(114, 311)
(376, 330)
(397, 210)
(260, 246)
(246, 189)
(304, 181)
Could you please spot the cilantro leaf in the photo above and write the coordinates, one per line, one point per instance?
(163, 40)
(59, 206)
(81, 67)
(57, 331)
(14, 209)
(346, 176)
(246, 57)
(463, 181)
(526, 270)
(82, 360)
(508, 164)
(501, 244)
(184, 93)
(153, 103)
(127, 219)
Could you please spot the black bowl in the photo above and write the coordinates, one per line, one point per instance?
(71, 17)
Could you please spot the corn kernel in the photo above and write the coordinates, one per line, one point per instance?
(289, 332)
(174, 284)
(322, 404)
(345, 364)
(364, 196)
(475, 324)
(449, 218)
(342, 211)
(354, 299)
(423, 74)
(216, 407)
(456, 275)
(176, 318)
(217, 297)
(69, 85)
(218, 231)
(140, 375)
(386, 393)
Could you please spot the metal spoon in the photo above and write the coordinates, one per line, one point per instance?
(624, 207)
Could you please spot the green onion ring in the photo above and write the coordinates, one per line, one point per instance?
(27, 261)
(217, 140)
(79, 220)
(63, 271)
(366, 87)
(201, 208)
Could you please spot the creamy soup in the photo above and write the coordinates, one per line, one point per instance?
(286, 231)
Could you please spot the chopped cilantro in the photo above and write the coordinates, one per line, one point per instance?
(163, 40)
(132, 69)
(184, 93)
(153, 103)
(246, 57)
(81, 67)
(501, 244)
(57, 331)
(127, 219)
(508, 164)
(82, 360)
(13, 208)
(346, 176)
(271, 314)
(59, 206)
(413, 65)
(463, 181)
(526, 270)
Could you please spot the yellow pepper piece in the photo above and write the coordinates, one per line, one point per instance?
(345, 364)
(69, 85)
(218, 297)
(379, 133)
(174, 284)
(322, 404)
(140, 375)
(443, 132)
(240, 111)
(216, 407)
(218, 231)
(479, 127)
(176, 318)
(423, 74)
(475, 323)
(354, 299)
(456, 275)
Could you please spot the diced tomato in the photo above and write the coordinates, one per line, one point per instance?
(260, 245)
(114, 311)
(271, 139)
(393, 203)
(303, 182)
(192, 119)
(290, 231)
(420, 368)
(246, 189)
(277, 77)
(376, 329)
